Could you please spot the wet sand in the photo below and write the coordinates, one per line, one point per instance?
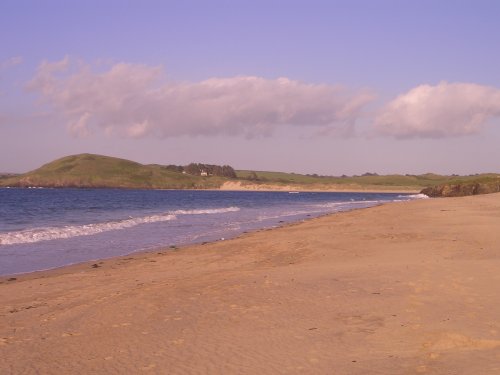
(405, 288)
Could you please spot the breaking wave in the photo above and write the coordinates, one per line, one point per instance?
(69, 231)
(206, 211)
(349, 204)
(414, 196)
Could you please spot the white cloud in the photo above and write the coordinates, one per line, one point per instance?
(135, 100)
(79, 128)
(13, 61)
(5, 65)
(443, 110)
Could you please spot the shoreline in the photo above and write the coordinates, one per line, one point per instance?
(404, 288)
(238, 186)
(161, 250)
(282, 223)
(251, 188)
(140, 254)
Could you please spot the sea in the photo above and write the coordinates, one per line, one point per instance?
(43, 229)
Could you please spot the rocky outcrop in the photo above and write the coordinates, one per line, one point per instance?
(462, 189)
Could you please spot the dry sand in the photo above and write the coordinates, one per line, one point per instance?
(405, 288)
(350, 188)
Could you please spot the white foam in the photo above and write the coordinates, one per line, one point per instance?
(347, 203)
(53, 233)
(206, 211)
(414, 196)
(282, 215)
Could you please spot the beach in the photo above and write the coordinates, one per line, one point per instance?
(403, 288)
(318, 187)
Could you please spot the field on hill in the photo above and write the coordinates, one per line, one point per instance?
(97, 171)
(396, 181)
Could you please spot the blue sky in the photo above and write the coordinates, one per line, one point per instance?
(330, 87)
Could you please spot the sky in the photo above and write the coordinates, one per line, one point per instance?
(327, 87)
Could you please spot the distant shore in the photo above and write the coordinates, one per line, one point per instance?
(348, 188)
(403, 288)
(237, 186)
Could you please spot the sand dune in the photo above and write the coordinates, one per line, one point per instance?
(351, 188)
(405, 288)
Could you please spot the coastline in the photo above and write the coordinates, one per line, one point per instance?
(41, 255)
(237, 186)
(331, 188)
(408, 287)
(161, 250)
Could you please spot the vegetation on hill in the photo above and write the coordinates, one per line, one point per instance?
(96, 171)
(396, 181)
(4, 176)
(87, 170)
(460, 188)
(198, 169)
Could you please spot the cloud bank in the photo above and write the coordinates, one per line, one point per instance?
(135, 100)
(443, 110)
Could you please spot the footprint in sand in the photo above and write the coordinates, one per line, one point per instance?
(71, 334)
(452, 340)
(121, 325)
(148, 367)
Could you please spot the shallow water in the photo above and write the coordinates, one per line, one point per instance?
(48, 228)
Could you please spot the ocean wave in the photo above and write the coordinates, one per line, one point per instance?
(283, 215)
(69, 231)
(347, 203)
(53, 233)
(206, 211)
(414, 196)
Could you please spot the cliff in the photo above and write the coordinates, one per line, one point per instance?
(463, 189)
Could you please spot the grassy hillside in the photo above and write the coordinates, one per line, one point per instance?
(87, 170)
(4, 176)
(415, 182)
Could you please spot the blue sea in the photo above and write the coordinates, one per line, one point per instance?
(48, 228)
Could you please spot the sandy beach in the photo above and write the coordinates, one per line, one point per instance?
(347, 188)
(404, 288)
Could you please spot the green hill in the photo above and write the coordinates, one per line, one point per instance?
(96, 171)
(88, 170)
